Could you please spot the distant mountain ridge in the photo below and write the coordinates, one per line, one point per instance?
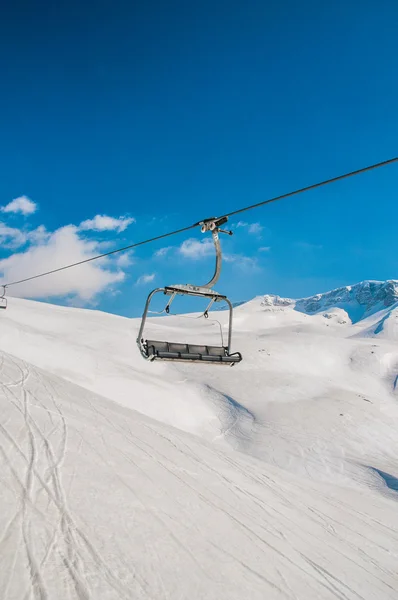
(375, 303)
(368, 294)
(359, 300)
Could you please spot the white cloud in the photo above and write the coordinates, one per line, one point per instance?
(145, 279)
(105, 223)
(53, 250)
(163, 251)
(255, 228)
(38, 235)
(195, 249)
(125, 259)
(11, 237)
(264, 249)
(245, 263)
(23, 205)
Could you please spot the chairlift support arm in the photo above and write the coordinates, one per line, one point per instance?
(213, 225)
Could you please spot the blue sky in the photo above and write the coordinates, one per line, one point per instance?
(166, 113)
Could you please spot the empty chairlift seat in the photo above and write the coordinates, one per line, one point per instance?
(199, 353)
(189, 352)
(3, 299)
(193, 353)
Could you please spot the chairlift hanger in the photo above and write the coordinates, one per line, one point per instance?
(170, 351)
(3, 299)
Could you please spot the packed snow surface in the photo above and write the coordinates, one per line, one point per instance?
(276, 478)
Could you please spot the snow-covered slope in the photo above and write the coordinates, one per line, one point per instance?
(122, 479)
(100, 502)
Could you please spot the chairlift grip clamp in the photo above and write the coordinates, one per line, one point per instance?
(213, 223)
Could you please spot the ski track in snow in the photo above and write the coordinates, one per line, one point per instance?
(43, 478)
(263, 481)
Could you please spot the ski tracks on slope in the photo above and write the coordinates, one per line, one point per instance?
(41, 531)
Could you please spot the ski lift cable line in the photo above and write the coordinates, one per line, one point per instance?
(86, 260)
(312, 187)
(194, 225)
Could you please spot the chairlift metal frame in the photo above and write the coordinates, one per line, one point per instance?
(3, 299)
(198, 353)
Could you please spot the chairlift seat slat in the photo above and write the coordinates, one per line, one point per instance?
(160, 350)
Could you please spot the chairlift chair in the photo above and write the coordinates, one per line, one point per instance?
(198, 353)
(3, 299)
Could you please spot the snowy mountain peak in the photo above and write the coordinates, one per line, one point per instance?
(351, 304)
(358, 301)
(271, 300)
(366, 297)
